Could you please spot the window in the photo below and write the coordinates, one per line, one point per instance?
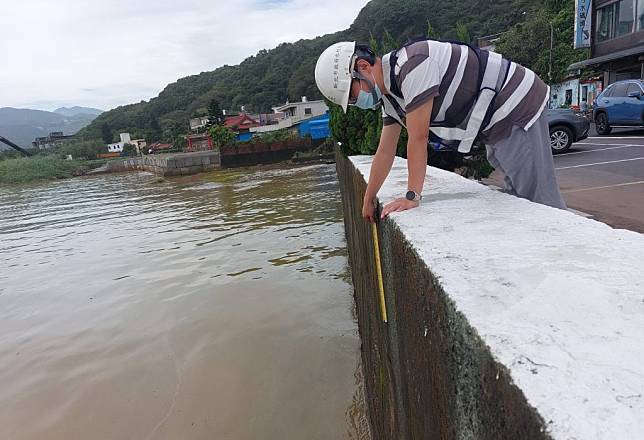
(633, 88)
(618, 19)
(619, 90)
(625, 15)
(605, 23)
(307, 111)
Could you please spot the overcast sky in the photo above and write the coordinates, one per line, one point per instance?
(107, 53)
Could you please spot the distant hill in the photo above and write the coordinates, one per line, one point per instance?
(286, 72)
(22, 126)
(76, 110)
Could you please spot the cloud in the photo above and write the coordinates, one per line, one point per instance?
(104, 54)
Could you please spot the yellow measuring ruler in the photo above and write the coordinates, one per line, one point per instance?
(381, 289)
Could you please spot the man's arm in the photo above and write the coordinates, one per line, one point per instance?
(418, 131)
(380, 166)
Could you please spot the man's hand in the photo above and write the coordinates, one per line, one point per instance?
(398, 205)
(368, 209)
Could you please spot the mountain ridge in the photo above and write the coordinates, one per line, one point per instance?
(78, 110)
(22, 126)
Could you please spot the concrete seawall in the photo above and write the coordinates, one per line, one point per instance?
(507, 319)
(169, 164)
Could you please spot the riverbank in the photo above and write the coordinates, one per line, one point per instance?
(32, 169)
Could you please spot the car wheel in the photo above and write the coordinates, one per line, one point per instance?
(560, 139)
(601, 124)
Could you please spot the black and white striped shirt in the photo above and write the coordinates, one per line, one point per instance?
(449, 73)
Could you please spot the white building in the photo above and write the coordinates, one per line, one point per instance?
(294, 113)
(139, 144)
(200, 122)
(117, 147)
(564, 94)
(299, 111)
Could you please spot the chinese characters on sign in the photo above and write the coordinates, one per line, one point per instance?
(583, 13)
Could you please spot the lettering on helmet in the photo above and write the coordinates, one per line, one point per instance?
(336, 69)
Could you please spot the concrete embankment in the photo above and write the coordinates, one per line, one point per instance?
(506, 319)
(169, 164)
(176, 164)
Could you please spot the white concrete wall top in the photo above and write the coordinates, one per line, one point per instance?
(558, 298)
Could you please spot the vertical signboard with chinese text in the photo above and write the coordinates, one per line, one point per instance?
(583, 14)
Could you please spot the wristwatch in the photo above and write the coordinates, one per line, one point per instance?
(413, 196)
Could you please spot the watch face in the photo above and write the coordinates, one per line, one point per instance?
(410, 195)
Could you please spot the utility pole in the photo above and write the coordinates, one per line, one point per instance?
(552, 37)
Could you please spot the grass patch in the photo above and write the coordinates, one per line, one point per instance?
(23, 170)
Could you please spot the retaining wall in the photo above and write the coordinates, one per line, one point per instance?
(507, 319)
(244, 154)
(170, 164)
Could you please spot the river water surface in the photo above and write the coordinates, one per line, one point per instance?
(215, 307)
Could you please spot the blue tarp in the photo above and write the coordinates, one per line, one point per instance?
(317, 127)
(241, 137)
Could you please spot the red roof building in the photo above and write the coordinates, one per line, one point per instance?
(240, 123)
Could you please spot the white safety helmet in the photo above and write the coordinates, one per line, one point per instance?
(333, 72)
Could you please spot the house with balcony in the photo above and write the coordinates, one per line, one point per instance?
(616, 35)
(294, 113)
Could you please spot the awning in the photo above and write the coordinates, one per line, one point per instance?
(606, 58)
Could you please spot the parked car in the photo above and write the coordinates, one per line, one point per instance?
(566, 127)
(622, 103)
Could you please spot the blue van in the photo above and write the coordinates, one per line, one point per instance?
(622, 103)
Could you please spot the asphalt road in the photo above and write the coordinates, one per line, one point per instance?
(603, 177)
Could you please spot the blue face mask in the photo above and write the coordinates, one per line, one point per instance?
(369, 100)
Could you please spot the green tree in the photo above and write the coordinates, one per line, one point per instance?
(221, 135)
(129, 150)
(528, 43)
(373, 44)
(80, 149)
(153, 133)
(215, 114)
(463, 33)
(431, 32)
(389, 43)
(106, 133)
(180, 142)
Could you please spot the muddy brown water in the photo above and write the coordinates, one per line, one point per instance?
(215, 307)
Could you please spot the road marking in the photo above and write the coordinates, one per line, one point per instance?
(600, 149)
(615, 137)
(592, 188)
(598, 163)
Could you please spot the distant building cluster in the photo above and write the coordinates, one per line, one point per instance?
(53, 139)
(117, 147)
(304, 118)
